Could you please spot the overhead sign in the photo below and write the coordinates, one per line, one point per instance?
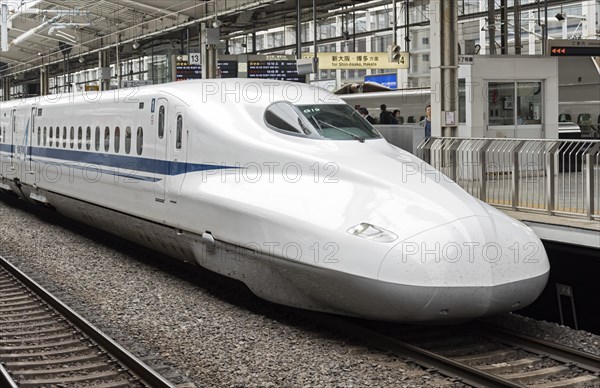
(573, 48)
(358, 61)
(277, 67)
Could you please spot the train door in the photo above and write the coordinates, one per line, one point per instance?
(13, 138)
(177, 153)
(161, 145)
(29, 135)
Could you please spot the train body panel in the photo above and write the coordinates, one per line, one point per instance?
(354, 226)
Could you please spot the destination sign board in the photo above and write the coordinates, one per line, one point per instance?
(358, 61)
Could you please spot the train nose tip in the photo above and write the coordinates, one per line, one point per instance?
(466, 269)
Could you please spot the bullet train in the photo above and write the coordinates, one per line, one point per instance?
(279, 185)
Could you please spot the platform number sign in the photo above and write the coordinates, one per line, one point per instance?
(194, 59)
(465, 60)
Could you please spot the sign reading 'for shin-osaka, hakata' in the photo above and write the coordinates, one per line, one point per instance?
(355, 61)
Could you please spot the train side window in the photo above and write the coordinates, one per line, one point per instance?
(88, 138)
(106, 139)
(161, 122)
(39, 135)
(179, 132)
(51, 136)
(64, 137)
(72, 138)
(79, 137)
(97, 139)
(44, 136)
(140, 140)
(58, 136)
(127, 140)
(117, 139)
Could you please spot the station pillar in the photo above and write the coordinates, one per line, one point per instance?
(444, 67)
(6, 85)
(210, 40)
(44, 81)
(104, 65)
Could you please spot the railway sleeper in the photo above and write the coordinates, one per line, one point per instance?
(14, 297)
(15, 365)
(510, 366)
(27, 307)
(470, 349)
(58, 352)
(37, 316)
(487, 358)
(59, 344)
(39, 340)
(66, 380)
(53, 328)
(532, 376)
(67, 369)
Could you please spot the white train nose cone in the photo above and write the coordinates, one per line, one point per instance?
(472, 267)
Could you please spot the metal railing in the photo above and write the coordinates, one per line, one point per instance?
(556, 177)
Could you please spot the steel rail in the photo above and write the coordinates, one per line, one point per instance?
(135, 365)
(5, 379)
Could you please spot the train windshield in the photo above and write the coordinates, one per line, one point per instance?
(335, 122)
(338, 122)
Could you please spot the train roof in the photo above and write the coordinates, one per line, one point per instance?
(220, 91)
(250, 91)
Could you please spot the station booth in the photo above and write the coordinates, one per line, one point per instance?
(509, 97)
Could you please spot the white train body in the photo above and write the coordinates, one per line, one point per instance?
(355, 227)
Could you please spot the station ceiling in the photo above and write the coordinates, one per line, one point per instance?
(39, 29)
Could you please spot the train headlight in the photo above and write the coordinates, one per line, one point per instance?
(372, 232)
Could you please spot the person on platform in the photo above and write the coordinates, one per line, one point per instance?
(365, 113)
(426, 123)
(386, 117)
(397, 116)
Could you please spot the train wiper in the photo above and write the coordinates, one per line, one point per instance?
(355, 137)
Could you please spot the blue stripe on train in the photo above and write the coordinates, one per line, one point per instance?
(130, 163)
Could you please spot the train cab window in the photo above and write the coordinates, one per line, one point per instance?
(39, 135)
(72, 138)
(58, 136)
(338, 122)
(161, 122)
(127, 140)
(140, 140)
(79, 137)
(106, 139)
(88, 138)
(45, 136)
(51, 136)
(179, 133)
(64, 137)
(334, 122)
(117, 139)
(97, 139)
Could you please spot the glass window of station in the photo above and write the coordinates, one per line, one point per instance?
(515, 103)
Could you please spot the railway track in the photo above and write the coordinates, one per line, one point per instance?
(479, 354)
(45, 343)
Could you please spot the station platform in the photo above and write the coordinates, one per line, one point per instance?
(565, 230)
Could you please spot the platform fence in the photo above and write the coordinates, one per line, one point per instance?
(555, 177)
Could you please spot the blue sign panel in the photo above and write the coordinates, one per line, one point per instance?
(387, 80)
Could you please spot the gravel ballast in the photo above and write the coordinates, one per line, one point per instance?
(201, 329)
